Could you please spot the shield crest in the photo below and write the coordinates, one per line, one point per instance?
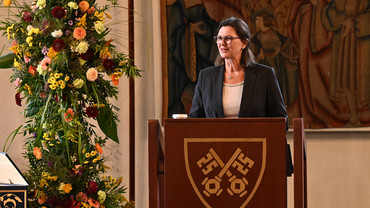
(222, 169)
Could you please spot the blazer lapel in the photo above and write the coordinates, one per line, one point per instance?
(217, 89)
(248, 88)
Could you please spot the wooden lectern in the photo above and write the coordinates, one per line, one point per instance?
(217, 163)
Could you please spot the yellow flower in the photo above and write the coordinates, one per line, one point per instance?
(17, 64)
(29, 40)
(34, 31)
(53, 87)
(29, 54)
(108, 15)
(101, 196)
(93, 153)
(43, 183)
(82, 23)
(60, 82)
(62, 86)
(52, 53)
(119, 181)
(8, 31)
(87, 155)
(118, 74)
(99, 15)
(28, 88)
(105, 53)
(15, 49)
(67, 188)
(56, 75)
(96, 159)
(66, 78)
(51, 80)
(53, 178)
(7, 2)
(122, 63)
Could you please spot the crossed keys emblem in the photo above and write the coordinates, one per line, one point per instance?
(238, 160)
(219, 170)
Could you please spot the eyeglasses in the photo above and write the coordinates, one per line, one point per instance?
(227, 39)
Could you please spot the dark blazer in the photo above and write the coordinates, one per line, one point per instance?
(261, 97)
(261, 94)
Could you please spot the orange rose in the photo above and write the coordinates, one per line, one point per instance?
(37, 153)
(79, 33)
(91, 10)
(84, 6)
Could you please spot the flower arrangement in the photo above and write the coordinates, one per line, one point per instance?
(66, 71)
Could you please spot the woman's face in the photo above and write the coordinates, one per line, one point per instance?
(232, 50)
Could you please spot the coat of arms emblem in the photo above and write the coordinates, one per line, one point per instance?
(228, 169)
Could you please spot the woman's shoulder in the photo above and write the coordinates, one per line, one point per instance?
(260, 67)
(212, 70)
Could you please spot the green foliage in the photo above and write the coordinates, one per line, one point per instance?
(66, 71)
(6, 61)
(107, 123)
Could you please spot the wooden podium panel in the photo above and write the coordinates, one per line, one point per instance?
(225, 163)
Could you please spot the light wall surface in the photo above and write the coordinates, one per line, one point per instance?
(338, 161)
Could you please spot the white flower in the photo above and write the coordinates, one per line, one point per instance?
(41, 4)
(78, 83)
(92, 74)
(82, 47)
(72, 5)
(99, 27)
(29, 28)
(101, 196)
(41, 70)
(57, 33)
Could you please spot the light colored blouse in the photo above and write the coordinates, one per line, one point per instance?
(231, 98)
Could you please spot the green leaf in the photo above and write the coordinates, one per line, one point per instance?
(33, 108)
(7, 60)
(107, 123)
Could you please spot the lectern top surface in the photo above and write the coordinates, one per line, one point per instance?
(9, 173)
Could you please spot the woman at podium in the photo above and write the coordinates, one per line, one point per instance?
(236, 86)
